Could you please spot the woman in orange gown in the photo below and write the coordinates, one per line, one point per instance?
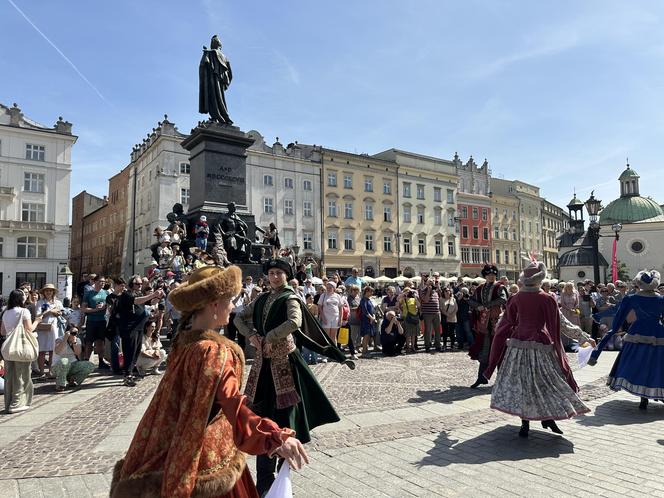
(194, 435)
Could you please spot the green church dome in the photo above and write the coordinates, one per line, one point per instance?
(628, 173)
(630, 209)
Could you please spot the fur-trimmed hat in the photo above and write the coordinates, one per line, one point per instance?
(282, 264)
(533, 274)
(206, 285)
(489, 270)
(647, 280)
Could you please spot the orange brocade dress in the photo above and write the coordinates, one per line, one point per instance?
(194, 435)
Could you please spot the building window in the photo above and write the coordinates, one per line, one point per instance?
(506, 234)
(406, 214)
(368, 184)
(420, 215)
(185, 168)
(485, 214)
(332, 239)
(288, 207)
(288, 183)
(368, 211)
(31, 211)
(637, 246)
(406, 245)
(307, 185)
(451, 249)
(516, 259)
(348, 181)
(268, 180)
(476, 233)
(421, 246)
(513, 234)
(486, 255)
(485, 233)
(348, 240)
(464, 212)
(307, 208)
(507, 257)
(331, 179)
(332, 208)
(348, 210)
(420, 191)
(184, 196)
(406, 189)
(464, 231)
(387, 213)
(35, 152)
(288, 237)
(496, 233)
(450, 196)
(368, 242)
(30, 247)
(437, 194)
(437, 217)
(33, 182)
(497, 256)
(307, 239)
(387, 244)
(450, 220)
(465, 255)
(476, 214)
(475, 255)
(438, 245)
(387, 187)
(37, 279)
(268, 205)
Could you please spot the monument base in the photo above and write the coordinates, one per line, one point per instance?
(252, 270)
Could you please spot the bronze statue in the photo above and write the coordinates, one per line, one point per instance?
(215, 77)
(233, 232)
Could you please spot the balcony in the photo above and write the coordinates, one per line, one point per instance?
(33, 226)
(7, 193)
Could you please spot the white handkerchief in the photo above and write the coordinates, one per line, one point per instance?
(282, 486)
(584, 355)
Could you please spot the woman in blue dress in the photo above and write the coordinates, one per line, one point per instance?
(638, 368)
(367, 319)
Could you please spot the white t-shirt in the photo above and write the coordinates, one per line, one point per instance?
(67, 352)
(13, 316)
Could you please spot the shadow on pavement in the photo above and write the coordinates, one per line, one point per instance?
(454, 393)
(622, 412)
(660, 441)
(500, 444)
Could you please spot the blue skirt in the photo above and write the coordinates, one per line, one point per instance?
(639, 370)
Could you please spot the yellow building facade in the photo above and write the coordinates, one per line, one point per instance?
(359, 213)
(505, 242)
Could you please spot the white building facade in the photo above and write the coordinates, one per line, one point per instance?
(35, 174)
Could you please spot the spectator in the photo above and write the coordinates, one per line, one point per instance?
(300, 274)
(392, 335)
(112, 333)
(49, 309)
(430, 313)
(67, 368)
(354, 279)
(75, 317)
(367, 319)
(586, 305)
(309, 287)
(512, 290)
(329, 310)
(80, 287)
(464, 330)
(354, 340)
(569, 303)
(152, 355)
(173, 316)
(94, 307)
(448, 312)
(390, 302)
(410, 315)
(18, 384)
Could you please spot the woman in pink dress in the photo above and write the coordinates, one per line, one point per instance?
(535, 381)
(569, 304)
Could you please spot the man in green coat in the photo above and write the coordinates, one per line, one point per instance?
(280, 385)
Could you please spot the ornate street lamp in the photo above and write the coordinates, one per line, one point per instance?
(616, 227)
(594, 206)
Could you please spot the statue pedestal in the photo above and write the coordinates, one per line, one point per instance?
(218, 161)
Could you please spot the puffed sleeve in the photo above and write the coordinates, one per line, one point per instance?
(244, 320)
(568, 329)
(292, 323)
(251, 433)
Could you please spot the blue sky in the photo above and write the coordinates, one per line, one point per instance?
(557, 94)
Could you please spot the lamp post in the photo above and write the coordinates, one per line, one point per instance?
(616, 227)
(296, 251)
(594, 206)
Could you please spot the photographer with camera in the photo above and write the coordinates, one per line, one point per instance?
(429, 300)
(132, 317)
(67, 368)
(152, 355)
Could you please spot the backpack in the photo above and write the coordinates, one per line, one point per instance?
(409, 310)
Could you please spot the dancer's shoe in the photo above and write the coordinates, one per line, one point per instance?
(551, 424)
(481, 380)
(644, 404)
(525, 427)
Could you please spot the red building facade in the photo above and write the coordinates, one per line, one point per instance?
(475, 232)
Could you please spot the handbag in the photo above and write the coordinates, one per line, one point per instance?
(43, 327)
(20, 345)
(342, 338)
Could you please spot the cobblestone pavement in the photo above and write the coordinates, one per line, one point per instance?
(410, 427)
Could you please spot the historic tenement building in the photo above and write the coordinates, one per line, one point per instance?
(554, 222)
(506, 245)
(35, 175)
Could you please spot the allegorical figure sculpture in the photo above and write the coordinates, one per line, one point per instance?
(233, 233)
(215, 77)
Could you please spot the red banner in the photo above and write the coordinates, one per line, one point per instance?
(614, 261)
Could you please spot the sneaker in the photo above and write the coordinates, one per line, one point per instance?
(19, 409)
(129, 381)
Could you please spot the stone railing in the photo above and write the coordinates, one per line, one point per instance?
(27, 225)
(7, 191)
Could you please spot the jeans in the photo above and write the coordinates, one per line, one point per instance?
(464, 334)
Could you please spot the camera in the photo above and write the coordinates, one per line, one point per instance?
(73, 332)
